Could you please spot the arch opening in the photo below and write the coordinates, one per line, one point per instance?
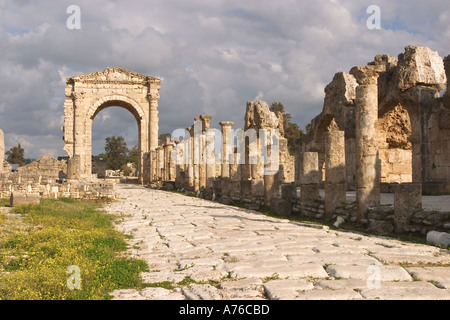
(110, 121)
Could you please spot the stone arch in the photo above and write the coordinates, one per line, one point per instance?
(119, 101)
(87, 95)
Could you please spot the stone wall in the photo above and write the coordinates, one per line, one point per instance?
(47, 187)
(45, 166)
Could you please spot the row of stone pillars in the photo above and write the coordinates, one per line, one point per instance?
(407, 198)
(191, 163)
(367, 160)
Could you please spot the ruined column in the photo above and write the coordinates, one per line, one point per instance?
(2, 149)
(197, 152)
(227, 147)
(73, 167)
(161, 172)
(168, 163)
(335, 173)
(235, 176)
(367, 160)
(271, 177)
(309, 179)
(210, 159)
(205, 123)
(407, 200)
(154, 119)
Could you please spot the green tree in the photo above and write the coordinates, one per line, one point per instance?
(162, 138)
(291, 130)
(16, 155)
(134, 155)
(116, 150)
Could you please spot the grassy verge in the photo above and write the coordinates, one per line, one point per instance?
(36, 262)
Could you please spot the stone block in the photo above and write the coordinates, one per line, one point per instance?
(21, 198)
(281, 207)
(257, 187)
(407, 200)
(309, 169)
(246, 187)
(288, 191)
(335, 195)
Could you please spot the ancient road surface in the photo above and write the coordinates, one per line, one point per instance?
(222, 252)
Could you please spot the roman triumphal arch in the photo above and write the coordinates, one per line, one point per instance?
(87, 95)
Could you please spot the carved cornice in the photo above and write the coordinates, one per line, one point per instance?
(101, 77)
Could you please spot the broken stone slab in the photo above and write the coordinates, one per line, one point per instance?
(430, 273)
(201, 292)
(411, 258)
(385, 273)
(438, 238)
(341, 294)
(402, 293)
(286, 289)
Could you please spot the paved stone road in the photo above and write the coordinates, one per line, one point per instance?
(231, 253)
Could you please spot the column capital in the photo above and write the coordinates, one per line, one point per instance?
(226, 124)
(365, 75)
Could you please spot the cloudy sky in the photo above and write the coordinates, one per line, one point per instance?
(212, 55)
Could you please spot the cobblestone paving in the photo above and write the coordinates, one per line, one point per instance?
(209, 251)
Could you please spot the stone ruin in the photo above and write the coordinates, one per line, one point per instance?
(47, 178)
(384, 127)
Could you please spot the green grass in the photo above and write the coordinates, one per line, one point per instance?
(4, 203)
(58, 234)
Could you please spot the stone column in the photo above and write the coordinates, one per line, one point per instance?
(235, 176)
(447, 72)
(210, 159)
(161, 171)
(309, 179)
(407, 200)
(335, 173)
(367, 159)
(270, 180)
(154, 120)
(197, 152)
(169, 165)
(73, 168)
(227, 147)
(205, 121)
(189, 158)
(2, 149)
